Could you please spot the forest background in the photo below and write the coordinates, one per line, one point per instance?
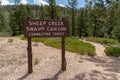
(99, 18)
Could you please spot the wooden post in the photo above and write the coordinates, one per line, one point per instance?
(29, 48)
(63, 54)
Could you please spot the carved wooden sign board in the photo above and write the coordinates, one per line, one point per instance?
(45, 28)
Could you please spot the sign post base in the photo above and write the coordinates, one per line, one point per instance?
(63, 65)
(29, 48)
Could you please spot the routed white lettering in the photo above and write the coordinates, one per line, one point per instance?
(31, 23)
(31, 29)
(56, 29)
(55, 23)
(58, 33)
(35, 28)
(27, 28)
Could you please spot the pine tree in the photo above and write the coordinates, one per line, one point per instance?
(116, 29)
(41, 12)
(3, 22)
(72, 5)
(81, 20)
(13, 21)
(53, 10)
(18, 14)
(88, 19)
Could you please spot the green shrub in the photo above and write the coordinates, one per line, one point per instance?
(36, 61)
(35, 39)
(113, 51)
(39, 39)
(10, 40)
(5, 34)
(54, 42)
(103, 40)
(72, 44)
(23, 38)
(35, 44)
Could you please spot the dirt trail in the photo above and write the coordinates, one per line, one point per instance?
(99, 49)
(13, 64)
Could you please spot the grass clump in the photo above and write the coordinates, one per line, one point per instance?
(112, 51)
(39, 39)
(53, 42)
(72, 44)
(5, 34)
(35, 44)
(35, 39)
(103, 41)
(10, 40)
(36, 61)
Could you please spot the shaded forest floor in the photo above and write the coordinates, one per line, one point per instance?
(13, 63)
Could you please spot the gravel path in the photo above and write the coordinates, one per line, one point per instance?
(13, 63)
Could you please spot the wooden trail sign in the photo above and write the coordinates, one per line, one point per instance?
(45, 28)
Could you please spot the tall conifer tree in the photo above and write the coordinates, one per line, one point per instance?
(72, 5)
